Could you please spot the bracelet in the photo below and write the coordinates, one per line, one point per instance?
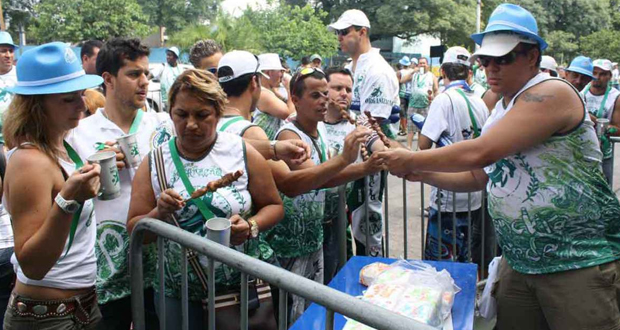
(275, 154)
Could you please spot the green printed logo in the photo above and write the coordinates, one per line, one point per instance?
(114, 174)
(134, 150)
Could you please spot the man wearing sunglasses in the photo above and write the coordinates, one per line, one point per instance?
(539, 158)
(205, 55)
(375, 86)
(602, 102)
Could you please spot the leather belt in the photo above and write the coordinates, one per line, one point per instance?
(79, 306)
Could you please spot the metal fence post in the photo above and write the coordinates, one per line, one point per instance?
(137, 280)
(384, 178)
(342, 225)
(483, 246)
(469, 231)
(211, 286)
(329, 319)
(440, 230)
(244, 301)
(283, 310)
(454, 256)
(162, 283)
(184, 293)
(405, 225)
(422, 219)
(367, 213)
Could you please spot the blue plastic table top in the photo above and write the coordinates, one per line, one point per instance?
(347, 280)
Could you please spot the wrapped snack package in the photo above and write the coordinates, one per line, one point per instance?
(413, 289)
(370, 272)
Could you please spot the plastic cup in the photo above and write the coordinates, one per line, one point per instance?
(421, 71)
(129, 146)
(601, 126)
(110, 180)
(218, 230)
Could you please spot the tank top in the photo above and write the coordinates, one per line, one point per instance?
(301, 232)
(552, 208)
(595, 106)
(227, 155)
(236, 125)
(78, 268)
(420, 85)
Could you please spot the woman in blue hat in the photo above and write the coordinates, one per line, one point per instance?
(48, 191)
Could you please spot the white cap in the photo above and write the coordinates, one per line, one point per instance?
(316, 57)
(549, 63)
(414, 60)
(456, 55)
(240, 62)
(270, 61)
(174, 50)
(500, 44)
(351, 17)
(603, 64)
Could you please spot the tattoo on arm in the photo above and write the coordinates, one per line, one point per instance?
(534, 97)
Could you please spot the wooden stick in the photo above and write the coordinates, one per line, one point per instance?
(212, 186)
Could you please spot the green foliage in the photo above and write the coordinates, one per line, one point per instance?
(563, 46)
(289, 31)
(602, 44)
(77, 20)
(178, 14)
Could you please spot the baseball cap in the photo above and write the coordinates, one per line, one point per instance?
(270, 61)
(456, 55)
(316, 57)
(51, 68)
(549, 63)
(414, 61)
(6, 39)
(603, 64)
(511, 18)
(351, 17)
(236, 64)
(500, 43)
(581, 64)
(174, 50)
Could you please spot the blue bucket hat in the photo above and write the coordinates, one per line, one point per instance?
(405, 61)
(51, 68)
(6, 39)
(583, 65)
(511, 18)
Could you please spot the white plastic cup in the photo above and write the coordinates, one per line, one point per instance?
(129, 146)
(110, 179)
(421, 70)
(218, 230)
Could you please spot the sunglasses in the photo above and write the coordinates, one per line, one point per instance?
(501, 60)
(346, 31)
(302, 74)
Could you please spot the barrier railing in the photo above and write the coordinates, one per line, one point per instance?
(287, 282)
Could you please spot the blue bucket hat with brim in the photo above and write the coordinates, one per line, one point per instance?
(511, 18)
(51, 68)
(405, 61)
(6, 39)
(583, 65)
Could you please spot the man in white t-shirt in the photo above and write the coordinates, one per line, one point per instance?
(168, 72)
(424, 87)
(123, 64)
(8, 74)
(457, 114)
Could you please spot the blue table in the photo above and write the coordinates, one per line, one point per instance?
(347, 280)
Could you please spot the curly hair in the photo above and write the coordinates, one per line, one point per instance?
(202, 49)
(201, 84)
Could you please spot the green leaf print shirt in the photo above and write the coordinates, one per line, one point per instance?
(228, 155)
(552, 208)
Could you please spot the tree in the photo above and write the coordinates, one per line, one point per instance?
(602, 44)
(174, 15)
(563, 46)
(78, 20)
(293, 31)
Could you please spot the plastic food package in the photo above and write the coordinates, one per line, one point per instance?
(413, 289)
(370, 272)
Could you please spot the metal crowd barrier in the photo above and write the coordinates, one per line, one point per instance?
(334, 301)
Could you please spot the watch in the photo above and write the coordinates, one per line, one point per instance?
(67, 206)
(253, 228)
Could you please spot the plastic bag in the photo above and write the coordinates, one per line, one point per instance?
(370, 272)
(413, 289)
(487, 306)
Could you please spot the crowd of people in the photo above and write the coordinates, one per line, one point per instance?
(505, 118)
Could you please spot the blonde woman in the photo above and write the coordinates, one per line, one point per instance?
(198, 155)
(47, 192)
